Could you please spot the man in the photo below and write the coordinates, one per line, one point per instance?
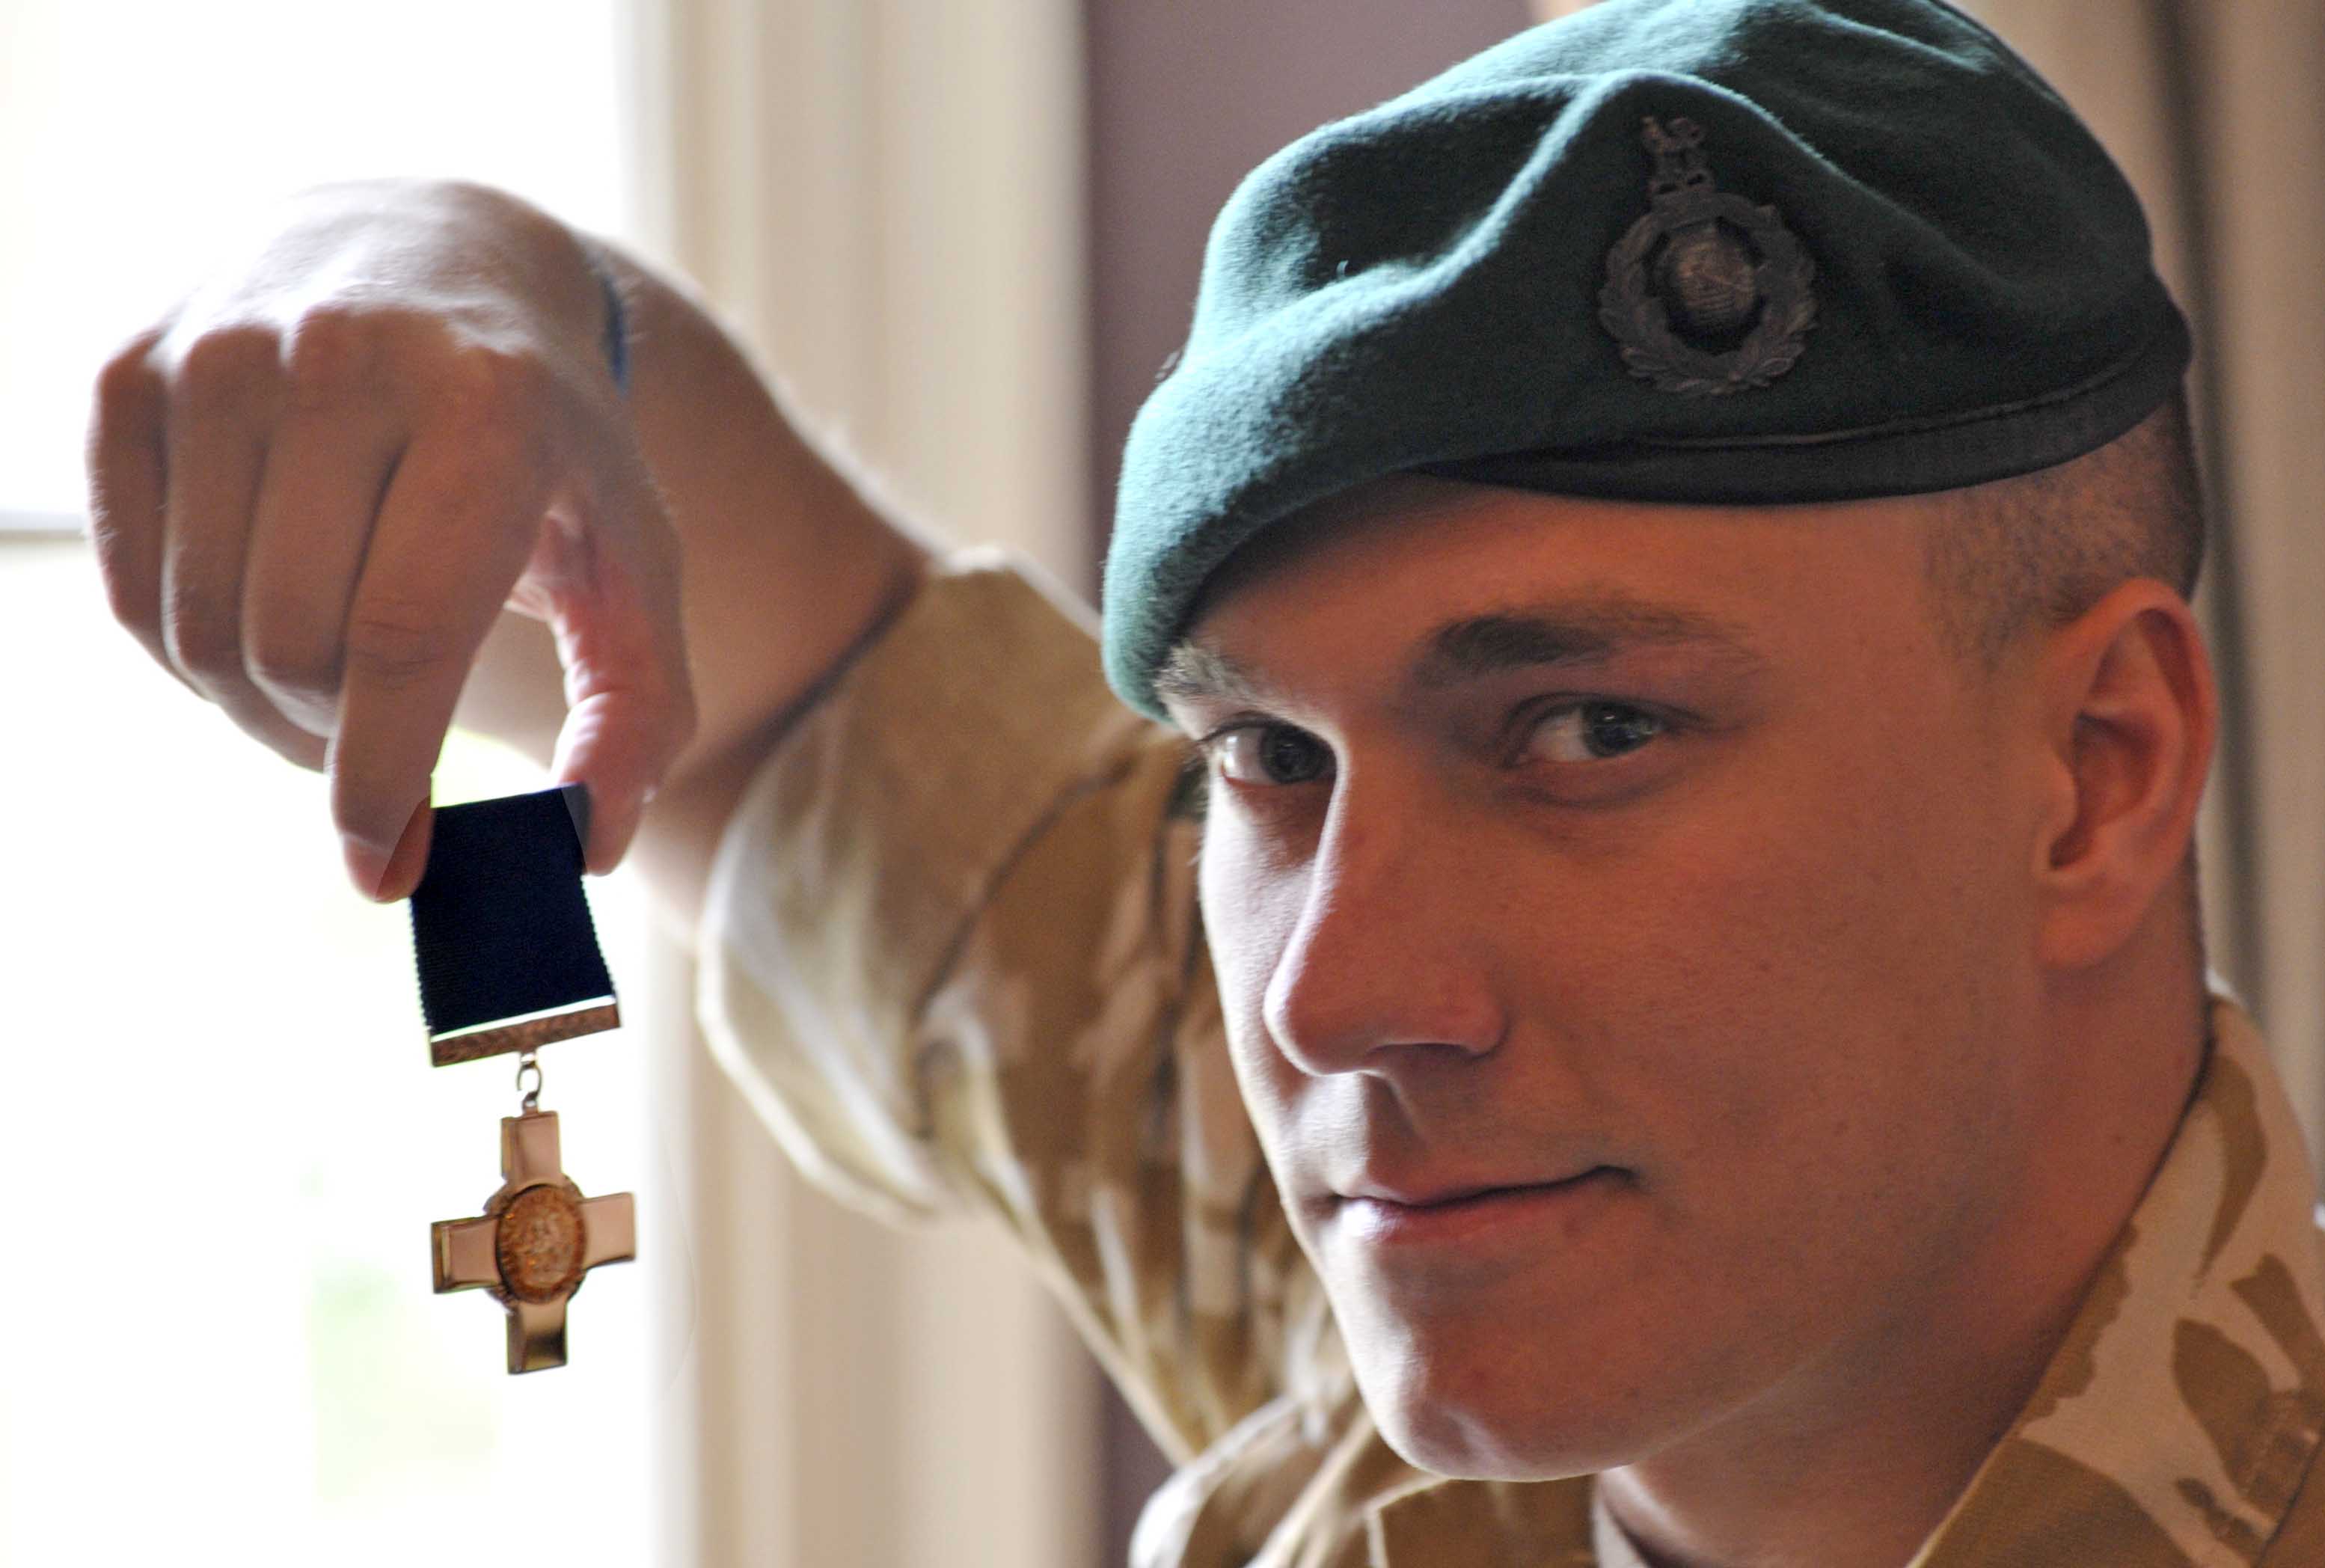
(1670, 1024)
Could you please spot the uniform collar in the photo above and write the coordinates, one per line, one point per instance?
(2173, 1425)
(2177, 1420)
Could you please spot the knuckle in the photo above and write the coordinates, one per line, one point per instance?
(333, 353)
(204, 646)
(228, 366)
(493, 385)
(298, 747)
(293, 670)
(392, 645)
(126, 383)
(201, 613)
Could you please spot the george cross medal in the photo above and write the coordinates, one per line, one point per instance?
(509, 961)
(538, 1237)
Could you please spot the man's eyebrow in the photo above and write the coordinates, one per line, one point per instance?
(1574, 632)
(1196, 672)
(1570, 632)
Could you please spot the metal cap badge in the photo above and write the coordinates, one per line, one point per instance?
(1707, 294)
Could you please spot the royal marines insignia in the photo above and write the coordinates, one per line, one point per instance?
(1707, 294)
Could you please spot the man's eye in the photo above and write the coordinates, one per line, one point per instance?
(1590, 732)
(1270, 754)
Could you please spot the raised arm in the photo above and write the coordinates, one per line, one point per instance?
(379, 477)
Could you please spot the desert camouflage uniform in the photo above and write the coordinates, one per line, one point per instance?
(952, 953)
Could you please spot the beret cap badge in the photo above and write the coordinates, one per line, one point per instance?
(1707, 294)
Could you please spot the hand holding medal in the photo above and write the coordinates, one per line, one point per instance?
(361, 483)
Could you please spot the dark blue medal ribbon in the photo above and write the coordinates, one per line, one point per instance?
(507, 954)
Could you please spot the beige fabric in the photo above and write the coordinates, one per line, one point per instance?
(951, 951)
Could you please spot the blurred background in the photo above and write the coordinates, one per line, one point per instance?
(965, 234)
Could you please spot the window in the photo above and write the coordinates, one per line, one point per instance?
(218, 1122)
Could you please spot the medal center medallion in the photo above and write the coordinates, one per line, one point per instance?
(539, 1243)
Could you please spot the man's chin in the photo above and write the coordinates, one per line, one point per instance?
(1477, 1446)
(1474, 1420)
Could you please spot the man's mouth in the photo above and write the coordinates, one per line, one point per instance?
(1471, 1214)
(1439, 1194)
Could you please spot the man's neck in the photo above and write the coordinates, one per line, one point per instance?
(1855, 1460)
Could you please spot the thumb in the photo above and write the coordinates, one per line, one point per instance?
(610, 742)
(629, 688)
(610, 590)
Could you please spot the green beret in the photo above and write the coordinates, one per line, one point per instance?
(1739, 252)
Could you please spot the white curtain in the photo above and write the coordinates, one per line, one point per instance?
(882, 200)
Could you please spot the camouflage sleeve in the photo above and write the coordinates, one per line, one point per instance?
(951, 953)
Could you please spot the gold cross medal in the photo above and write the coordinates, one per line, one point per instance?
(509, 962)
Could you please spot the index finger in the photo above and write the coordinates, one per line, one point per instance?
(454, 529)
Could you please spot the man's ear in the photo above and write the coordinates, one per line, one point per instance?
(2130, 713)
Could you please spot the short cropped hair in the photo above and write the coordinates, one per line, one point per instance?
(2039, 550)
(2042, 548)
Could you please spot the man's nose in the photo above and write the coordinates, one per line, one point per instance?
(1392, 946)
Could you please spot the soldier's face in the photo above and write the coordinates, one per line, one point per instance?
(1624, 920)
